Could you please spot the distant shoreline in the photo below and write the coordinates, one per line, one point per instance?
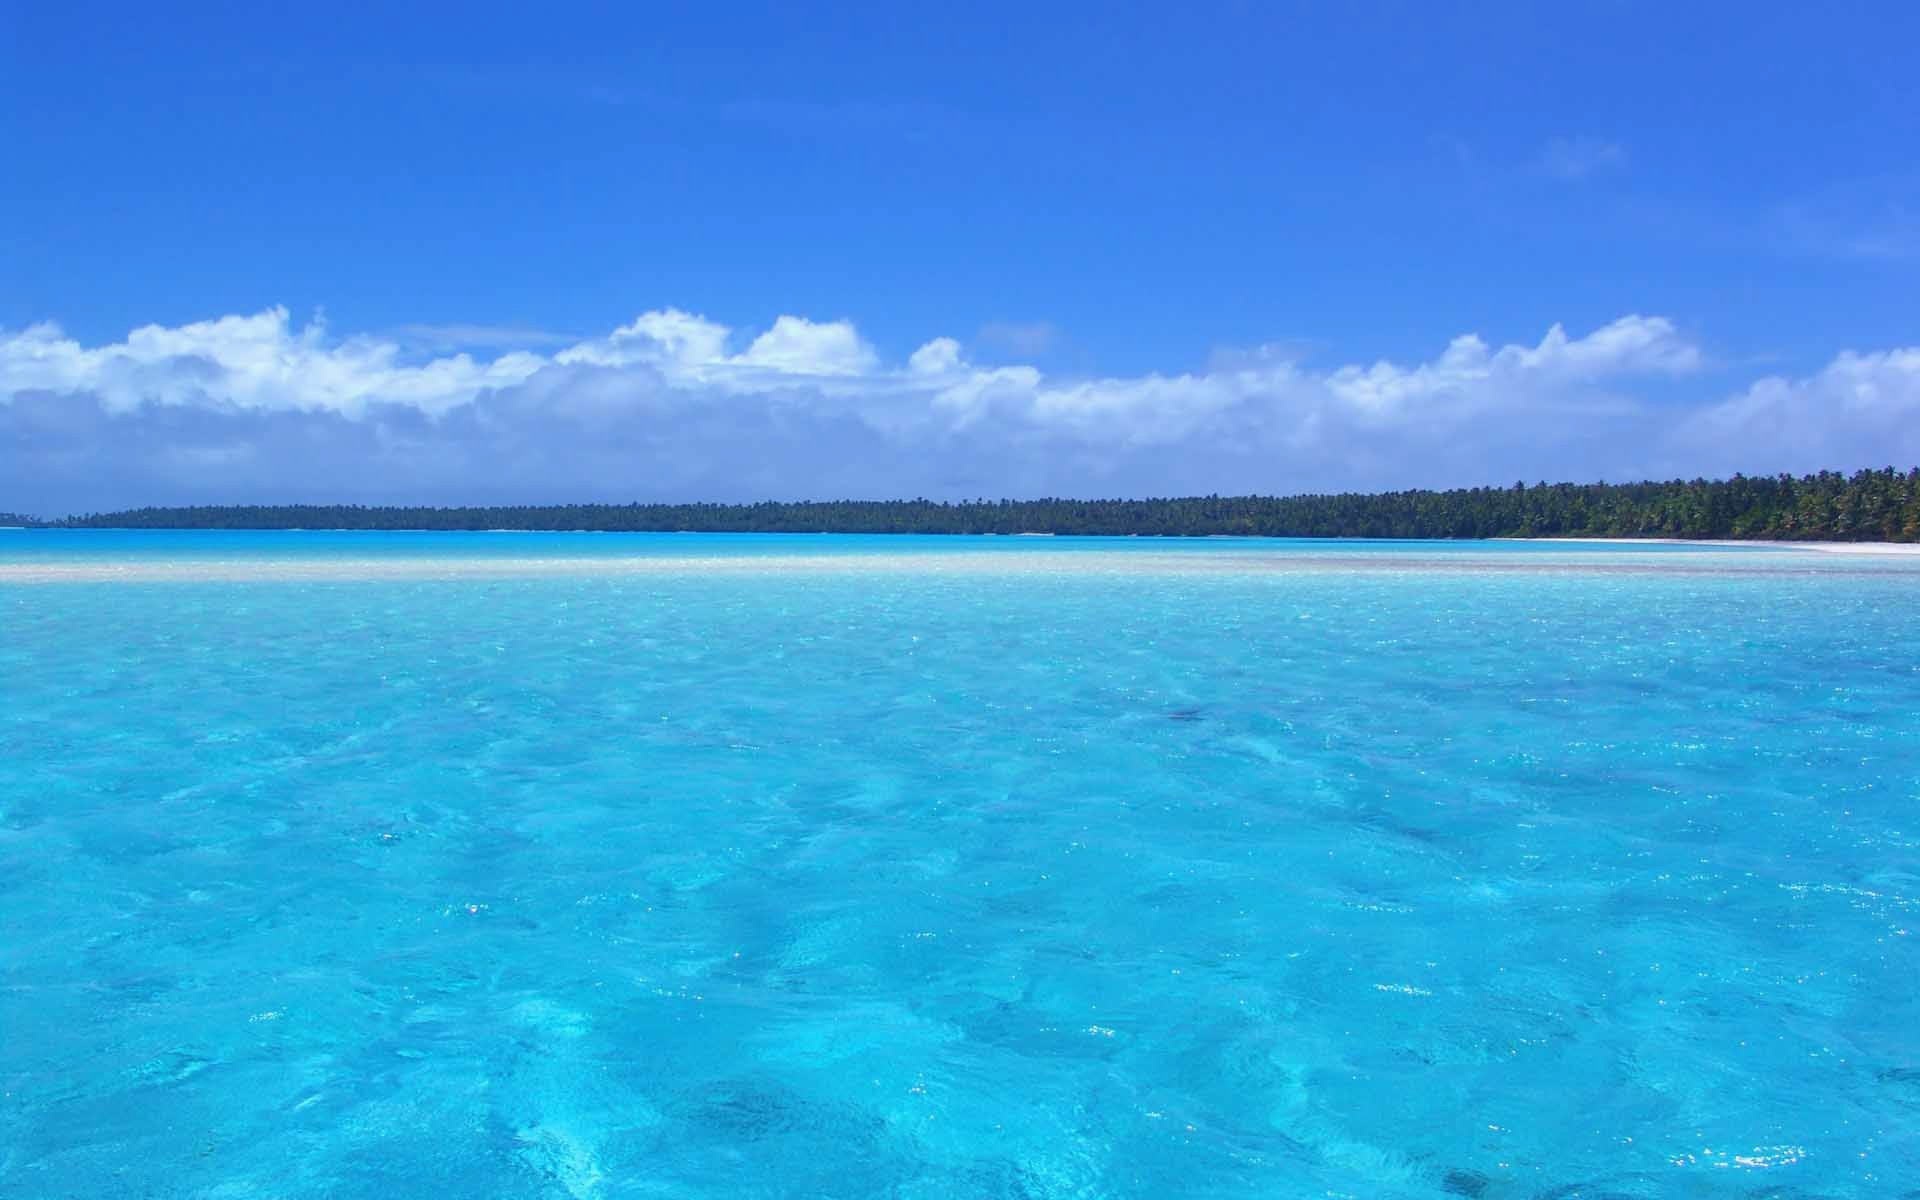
(1905, 548)
(1817, 547)
(1876, 508)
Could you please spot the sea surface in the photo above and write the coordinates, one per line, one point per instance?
(583, 866)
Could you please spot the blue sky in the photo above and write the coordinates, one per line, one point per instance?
(1261, 201)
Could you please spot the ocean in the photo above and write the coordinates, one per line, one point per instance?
(581, 866)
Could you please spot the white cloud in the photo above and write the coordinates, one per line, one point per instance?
(460, 335)
(937, 357)
(252, 362)
(263, 362)
(1021, 337)
(1470, 377)
(666, 338)
(802, 347)
(1860, 410)
(666, 405)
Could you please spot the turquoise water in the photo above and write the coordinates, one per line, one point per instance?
(656, 866)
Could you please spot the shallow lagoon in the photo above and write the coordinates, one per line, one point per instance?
(655, 865)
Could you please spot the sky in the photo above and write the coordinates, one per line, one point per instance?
(486, 254)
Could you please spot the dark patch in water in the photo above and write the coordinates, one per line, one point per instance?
(174, 1066)
(1464, 1183)
(1186, 714)
(745, 1113)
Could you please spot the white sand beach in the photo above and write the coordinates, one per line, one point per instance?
(1444, 559)
(1894, 548)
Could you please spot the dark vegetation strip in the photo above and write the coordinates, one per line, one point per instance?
(1879, 505)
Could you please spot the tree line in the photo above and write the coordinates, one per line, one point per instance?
(1874, 505)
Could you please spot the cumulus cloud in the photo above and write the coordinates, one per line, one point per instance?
(667, 337)
(937, 357)
(1860, 410)
(253, 362)
(674, 405)
(802, 347)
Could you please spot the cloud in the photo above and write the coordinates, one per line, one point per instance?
(248, 362)
(1860, 410)
(674, 405)
(458, 336)
(1021, 337)
(691, 347)
(937, 357)
(1872, 219)
(1580, 157)
(1470, 376)
(663, 337)
(801, 347)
